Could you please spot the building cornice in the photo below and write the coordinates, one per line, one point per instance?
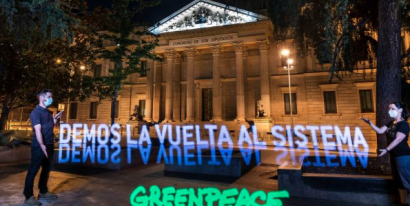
(266, 24)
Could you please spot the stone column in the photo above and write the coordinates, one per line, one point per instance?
(265, 76)
(190, 89)
(157, 91)
(245, 73)
(240, 89)
(216, 86)
(169, 54)
(177, 88)
(149, 91)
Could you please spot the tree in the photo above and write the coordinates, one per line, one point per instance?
(345, 32)
(42, 46)
(130, 42)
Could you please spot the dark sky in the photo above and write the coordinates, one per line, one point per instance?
(154, 14)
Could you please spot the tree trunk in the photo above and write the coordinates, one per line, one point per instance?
(388, 80)
(4, 113)
(113, 105)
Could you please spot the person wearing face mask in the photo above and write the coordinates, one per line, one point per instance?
(42, 148)
(397, 133)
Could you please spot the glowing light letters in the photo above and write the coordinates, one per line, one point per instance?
(87, 143)
(210, 196)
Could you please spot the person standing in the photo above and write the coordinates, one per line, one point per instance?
(42, 148)
(397, 136)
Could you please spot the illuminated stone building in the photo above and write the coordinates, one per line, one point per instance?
(219, 61)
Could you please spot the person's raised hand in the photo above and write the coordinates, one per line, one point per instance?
(57, 116)
(383, 152)
(366, 120)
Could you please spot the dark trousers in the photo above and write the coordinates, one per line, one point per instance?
(395, 173)
(403, 170)
(38, 159)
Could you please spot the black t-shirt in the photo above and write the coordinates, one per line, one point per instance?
(44, 117)
(401, 149)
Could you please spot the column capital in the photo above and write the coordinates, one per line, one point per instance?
(245, 53)
(169, 54)
(238, 47)
(216, 49)
(263, 45)
(177, 58)
(159, 63)
(190, 51)
(153, 55)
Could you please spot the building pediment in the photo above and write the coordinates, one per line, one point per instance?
(204, 14)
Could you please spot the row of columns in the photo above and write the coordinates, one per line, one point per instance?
(173, 103)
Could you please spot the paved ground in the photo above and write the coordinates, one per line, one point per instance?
(79, 186)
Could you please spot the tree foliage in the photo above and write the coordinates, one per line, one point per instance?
(127, 42)
(42, 45)
(340, 32)
(345, 33)
(54, 44)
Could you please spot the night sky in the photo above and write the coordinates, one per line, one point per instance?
(155, 14)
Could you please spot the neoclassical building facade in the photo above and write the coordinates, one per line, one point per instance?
(219, 63)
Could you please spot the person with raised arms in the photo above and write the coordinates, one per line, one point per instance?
(397, 132)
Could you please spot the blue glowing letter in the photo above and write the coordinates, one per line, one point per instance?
(225, 137)
(68, 128)
(186, 134)
(76, 132)
(89, 134)
(302, 136)
(278, 135)
(244, 136)
(106, 136)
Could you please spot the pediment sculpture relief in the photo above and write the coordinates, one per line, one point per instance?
(203, 17)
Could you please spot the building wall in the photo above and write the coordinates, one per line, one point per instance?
(310, 103)
(307, 78)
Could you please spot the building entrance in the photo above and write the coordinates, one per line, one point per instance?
(206, 104)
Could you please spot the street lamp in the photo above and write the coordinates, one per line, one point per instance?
(82, 67)
(286, 53)
(61, 108)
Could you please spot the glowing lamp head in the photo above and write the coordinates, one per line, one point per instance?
(58, 61)
(290, 61)
(82, 67)
(285, 52)
(61, 107)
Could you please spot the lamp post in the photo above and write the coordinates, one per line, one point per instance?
(285, 53)
(82, 68)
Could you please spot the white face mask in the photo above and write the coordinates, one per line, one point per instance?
(393, 113)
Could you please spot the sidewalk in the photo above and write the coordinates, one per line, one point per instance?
(103, 187)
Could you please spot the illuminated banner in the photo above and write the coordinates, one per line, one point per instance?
(189, 135)
(216, 155)
(339, 157)
(210, 196)
(175, 154)
(186, 147)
